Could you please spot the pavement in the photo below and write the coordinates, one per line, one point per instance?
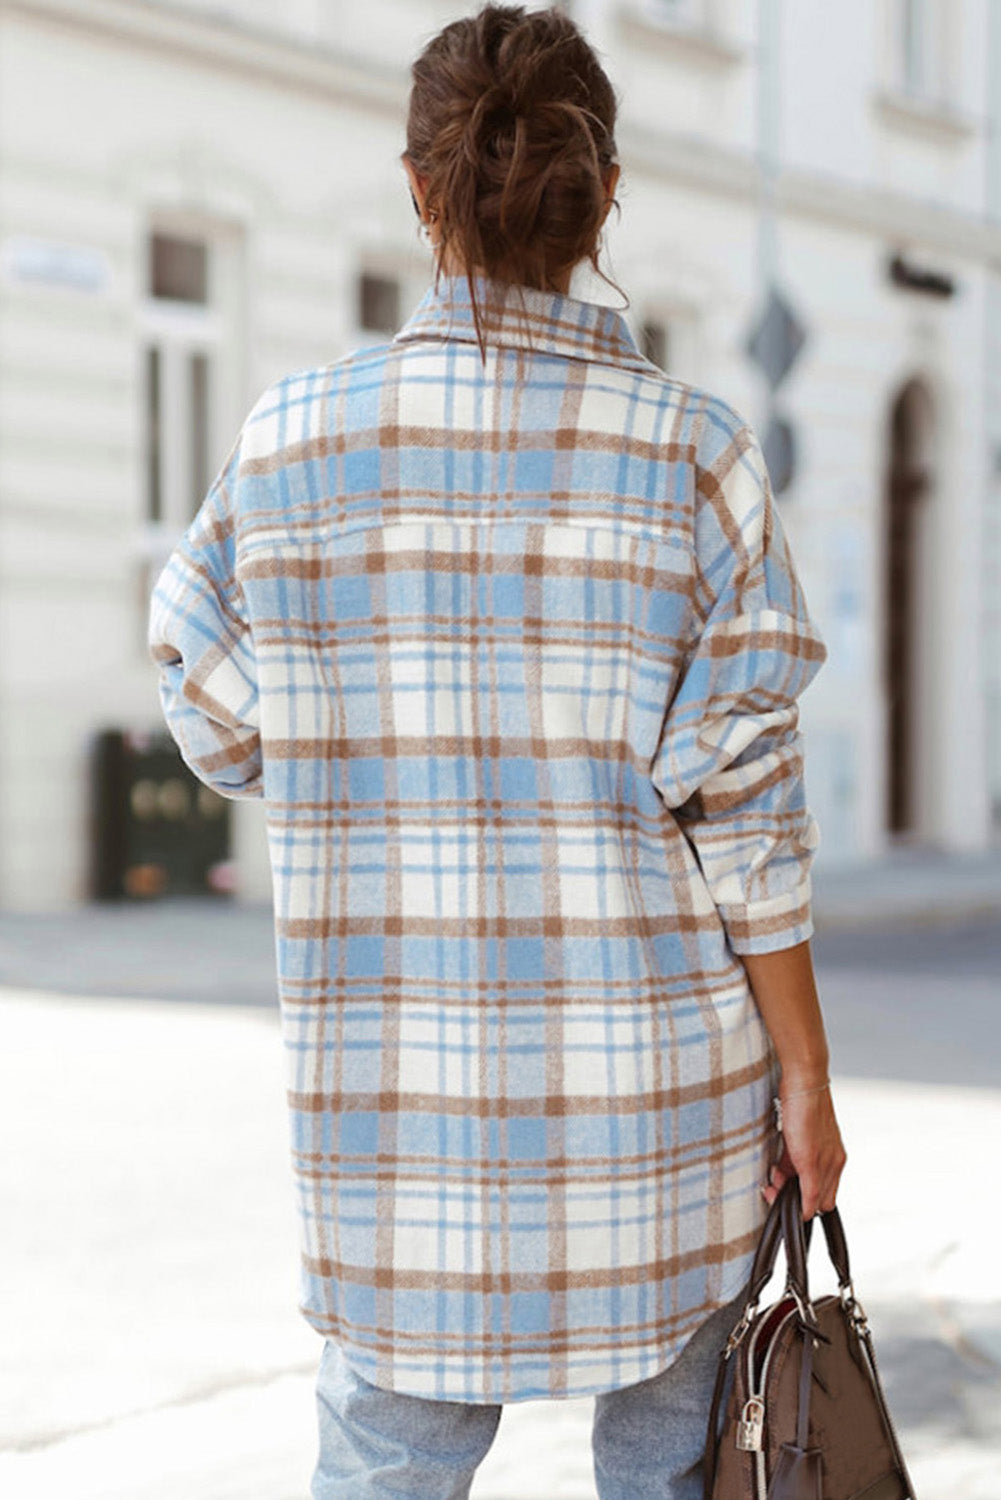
(911, 886)
(152, 1348)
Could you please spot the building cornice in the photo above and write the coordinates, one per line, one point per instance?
(897, 218)
(208, 38)
(927, 119)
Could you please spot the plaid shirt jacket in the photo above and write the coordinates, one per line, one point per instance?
(512, 654)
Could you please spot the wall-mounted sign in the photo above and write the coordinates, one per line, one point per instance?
(776, 337)
(778, 446)
(926, 279)
(53, 263)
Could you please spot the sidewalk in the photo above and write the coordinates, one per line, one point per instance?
(908, 886)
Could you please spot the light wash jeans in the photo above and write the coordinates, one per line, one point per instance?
(647, 1439)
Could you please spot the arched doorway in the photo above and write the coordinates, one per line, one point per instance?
(906, 609)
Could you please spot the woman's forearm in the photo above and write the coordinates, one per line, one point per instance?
(783, 985)
(785, 989)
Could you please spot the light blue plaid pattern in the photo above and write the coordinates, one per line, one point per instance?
(512, 650)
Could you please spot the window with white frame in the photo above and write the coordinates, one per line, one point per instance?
(180, 334)
(185, 356)
(921, 41)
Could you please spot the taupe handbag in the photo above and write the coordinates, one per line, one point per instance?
(806, 1417)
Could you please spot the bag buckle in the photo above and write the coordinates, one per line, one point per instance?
(807, 1314)
(853, 1307)
(746, 1319)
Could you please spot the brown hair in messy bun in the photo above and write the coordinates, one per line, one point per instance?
(511, 121)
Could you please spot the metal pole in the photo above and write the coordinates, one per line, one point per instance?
(990, 552)
(767, 153)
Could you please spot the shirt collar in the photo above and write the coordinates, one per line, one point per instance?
(556, 323)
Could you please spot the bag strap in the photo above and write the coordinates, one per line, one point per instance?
(865, 1336)
(837, 1245)
(712, 1433)
(767, 1251)
(805, 1391)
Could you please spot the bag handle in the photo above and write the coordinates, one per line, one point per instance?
(767, 1252)
(837, 1247)
(796, 1236)
(774, 1231)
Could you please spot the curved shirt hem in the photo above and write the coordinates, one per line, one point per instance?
(640, 1370)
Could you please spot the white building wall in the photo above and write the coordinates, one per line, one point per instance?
(277, 129)
(846, 112)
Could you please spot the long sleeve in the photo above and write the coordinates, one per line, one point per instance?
(199, 639)
(730, 759)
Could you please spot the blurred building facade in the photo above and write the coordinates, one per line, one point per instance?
(199, 196)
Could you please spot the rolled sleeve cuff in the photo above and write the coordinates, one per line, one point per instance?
(771, 923)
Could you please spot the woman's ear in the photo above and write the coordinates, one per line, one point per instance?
(415, 182)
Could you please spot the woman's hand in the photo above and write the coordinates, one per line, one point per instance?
(812, 1150)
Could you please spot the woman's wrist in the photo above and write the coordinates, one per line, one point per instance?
(803, 1074)
(783, 1101)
